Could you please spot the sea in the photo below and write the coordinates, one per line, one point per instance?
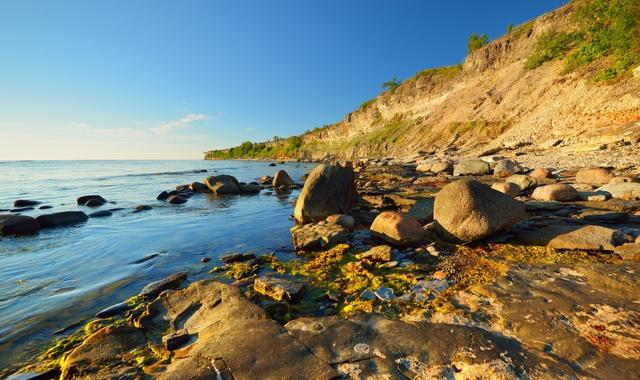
(63, 276)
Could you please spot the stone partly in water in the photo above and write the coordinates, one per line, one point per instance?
(279, 289)
(282, 179)
(467, 210)
(472, 167)
(505, 168)
(95, 202)
(507, 188)
(595, 176)
(223, 184)
(97, 199)
(555, 192)
(199, 187)
(265, 180)
(237, 257)
(344, 220)
(18, 225)
(398, 229)
(328, 190)
(573, 237)
(153, 289)
(60, 219)
(625, 190)
(250, 188)
(318, 236)
(176, 200)
(162, 196)
(100, 214)
(113, 310)
(525, 182)
(25, 203)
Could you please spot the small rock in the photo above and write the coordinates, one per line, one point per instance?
(541, 173)
(100, 214)
(595, 176)
(397, 228)
(368, 295)
(205, 259)
(313, 237)
(573, 237)
(507, 188)
(153, 289)
(525, 182)
(472, 167)
(423, 168)
(625, 190)
(176, 200)
(380, 253)
(175, 340)
(272, 164)
(94, 202)
(628, 251)
(265, 180)
(237, 257)
(343, 220)
(385, 294)
(597, 197)
(442, 167)
(604, 216)
(250, 188)
(615, 180)
(199, 187)
(390, 264)
(162, 196)
(45, 207)
(82, 201)
(25, 203)
(222, 184)
(112, 310)
(555, 192)
(505, 168)
(140, 208)
(279, 289)
(21, 209)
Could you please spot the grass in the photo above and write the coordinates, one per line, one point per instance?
(607, 33)
(441, 73)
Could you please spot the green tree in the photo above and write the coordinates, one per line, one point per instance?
(476, 42)
(391, 85)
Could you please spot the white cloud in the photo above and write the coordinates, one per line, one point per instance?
(184, 122)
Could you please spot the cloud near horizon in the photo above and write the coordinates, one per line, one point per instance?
(184, 122)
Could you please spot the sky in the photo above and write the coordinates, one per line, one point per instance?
(158, 79)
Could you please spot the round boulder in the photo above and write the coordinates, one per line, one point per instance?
(555, 192)
(18, 225)
(472, 167)
(594, 176)
(506, 168)
(281, 178)
(83, 200)
(507, 188)
(222, 184)
(442, 167)
(328, 190)
(250, 188)
(397, 228)
(467, 210)
(525, 182)
(541, 173)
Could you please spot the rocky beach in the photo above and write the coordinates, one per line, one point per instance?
(433, 266)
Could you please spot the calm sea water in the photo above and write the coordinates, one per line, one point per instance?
(63, 276)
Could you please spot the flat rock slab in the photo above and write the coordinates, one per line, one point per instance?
(279, 289)
(572, 237)
(318, 236)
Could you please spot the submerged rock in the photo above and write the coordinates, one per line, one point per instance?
(60, 219)
(328, 190)
(100, 214)
(472, 167)
(97, 200)
(237, 257)
(18, 225)
(223, 184)
(112, 310)
(279, 289)
(250, 188)
(467, 210)
(397, 228)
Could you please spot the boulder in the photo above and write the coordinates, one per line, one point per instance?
(573, 237)
(381, 253)
(422, 209)
(199, 187)
(467, 210)
(176, 200)
(59, 219)
(594, 176)
(318, 236)
(250, 188)
(525, 182)
(625, 190)
(25, 203)
(94, 202)
(442, 167)
(505, 168)
(541, 173)
(162, 196)
(507, 188)
(82, 201)
(472, 167)
(555, 192)
(344, 220)
(18, 225)
(279, 289)
(397, 228)
(328, 190)
(282, 179)
(222, 184)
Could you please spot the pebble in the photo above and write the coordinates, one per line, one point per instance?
(385, 294)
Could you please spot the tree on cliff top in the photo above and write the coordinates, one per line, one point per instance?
(476, 42)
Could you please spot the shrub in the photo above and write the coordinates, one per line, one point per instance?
(549, 46)
(476, 42)
(391, 85)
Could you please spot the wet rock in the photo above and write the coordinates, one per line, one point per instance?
(18, 225)
(237, 257)
(153, 289)
(100, 214)
(328, 190)
(381, 253)
(467, 210)
(525, 182)
(25, 203)
(343, 220)
(625, 190)
(175, 340)
(505, 168)
(272, 164)
(279, 289)
(472, 167)
(281, 178)
(94, 202)
(162, 196)
(222, 184)
(555, 192)
(397, 228)
(112, 310)
(45, 207)
(541, 173)
(95, 357)
(384, 294)
(176, 199)
(140, 208)
(199, 187)
(595, 176)
(573, 237)
(250, 188)
(82, 201)
(265, 180)
(318, 236)
(60, 219)
(442, 167)
(422, 210)
(21, 209)
(507, 188)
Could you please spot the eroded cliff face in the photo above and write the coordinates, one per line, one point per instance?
(488, 102)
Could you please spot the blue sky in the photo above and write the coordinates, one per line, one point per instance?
(171, 79)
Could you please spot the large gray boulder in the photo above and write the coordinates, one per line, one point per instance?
(467, 210)
(328, 190)
(223, 184)
(472, 167)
